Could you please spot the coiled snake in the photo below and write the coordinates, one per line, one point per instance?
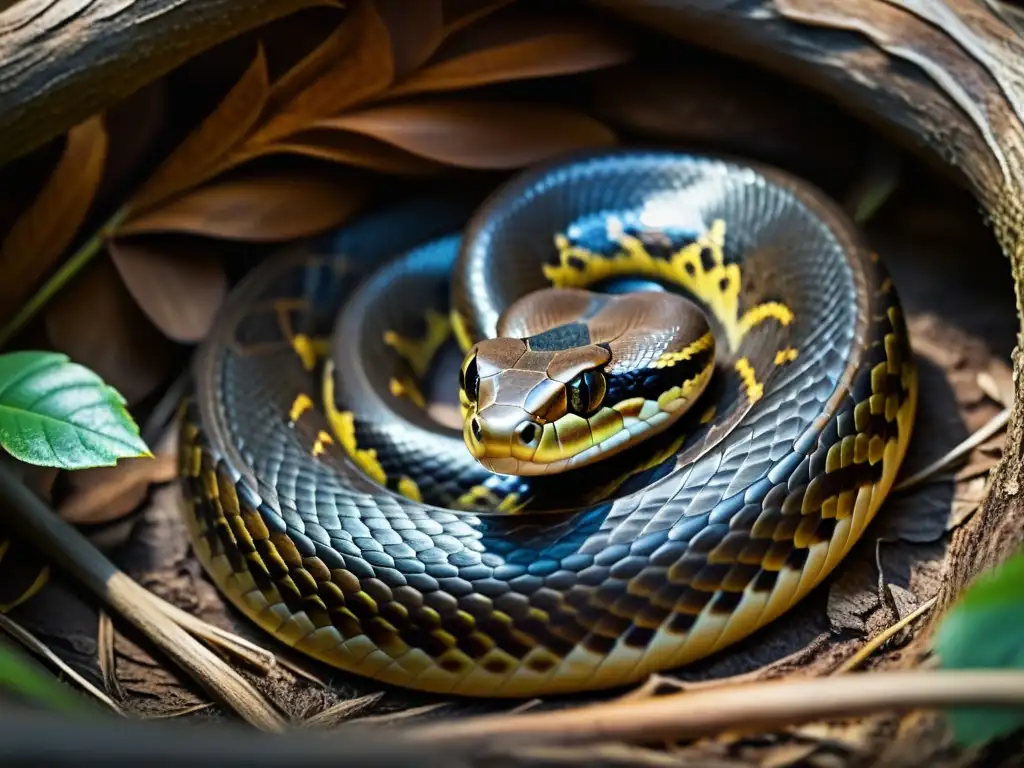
(671, 478)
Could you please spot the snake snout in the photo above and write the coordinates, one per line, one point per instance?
(502, 432)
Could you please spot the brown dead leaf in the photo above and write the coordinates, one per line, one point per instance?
(355, 150)
(366, 69)
(273, 207)
(479, 135)
(416, 30)
(178, 289)
(95, 321)
(996, 381)
(49, 225)
(104, 494)
(196, 158)
(517, 45)
(462, 13)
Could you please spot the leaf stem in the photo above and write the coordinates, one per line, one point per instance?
(67, 271)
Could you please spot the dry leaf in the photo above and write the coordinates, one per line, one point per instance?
(196, 159)
(355, 150)
(273, 207)
(95, 321)
(462, 13)
(106, 494)
(366, 70)
(997, 382)
(42, 233)
(178, 289)
(480, 135)
(416, 30)
(515, 46)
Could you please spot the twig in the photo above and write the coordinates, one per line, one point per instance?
(68, 549)
(34, 644)
(341, 711)
(61, 277)
(250, 654)
(995, 424)
(882, 638)
(749, 707)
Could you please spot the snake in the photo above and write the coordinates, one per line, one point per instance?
(615, 416)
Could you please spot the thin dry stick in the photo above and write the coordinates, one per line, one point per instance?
(243, 650)
(106, 656)
(994, 425)
(882, 638)
(341, 711)
(34, 644)
(68, 549)
(750, 707)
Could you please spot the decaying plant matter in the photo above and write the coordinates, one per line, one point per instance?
(131, 225)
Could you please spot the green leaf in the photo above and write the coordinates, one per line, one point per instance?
(56, 413)
(21, 676)
(983, 630)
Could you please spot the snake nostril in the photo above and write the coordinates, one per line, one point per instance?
(478, 431)
(527, 432)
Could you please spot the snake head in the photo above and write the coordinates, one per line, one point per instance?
(574, 394)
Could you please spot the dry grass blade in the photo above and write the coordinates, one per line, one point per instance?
(341, 711)
(479, 135)
(106, 656)
(404, 714)
(177, 288)
(96, 322)
(197, 158)
(43, 232)
(516, 46)
(32, 643)
(268, 208)
(71, 551)
(995, 424)
(750, 707)
(879, 640)
(182, 712)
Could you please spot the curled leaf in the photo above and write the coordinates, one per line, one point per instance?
(196, 158)
(355, 150)
(178, 289)
(56, 413)
(365, 69)
(104, 494)
(480, 135)
(462, 13)
(517, 46)
(42, 233)
(95, 321)
(415, 29)
(272, 207)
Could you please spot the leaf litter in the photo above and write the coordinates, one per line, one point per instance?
(355, 90)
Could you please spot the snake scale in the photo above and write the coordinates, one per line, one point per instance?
(685, 389)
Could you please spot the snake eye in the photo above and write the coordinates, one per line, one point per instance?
(469, 379)
(586, 392)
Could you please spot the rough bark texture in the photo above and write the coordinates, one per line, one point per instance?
(63, 60)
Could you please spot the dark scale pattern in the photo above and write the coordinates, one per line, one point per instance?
(749, 519)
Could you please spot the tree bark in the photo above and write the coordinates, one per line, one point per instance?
(64, 60)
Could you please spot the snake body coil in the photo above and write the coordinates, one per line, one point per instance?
(651, 512)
